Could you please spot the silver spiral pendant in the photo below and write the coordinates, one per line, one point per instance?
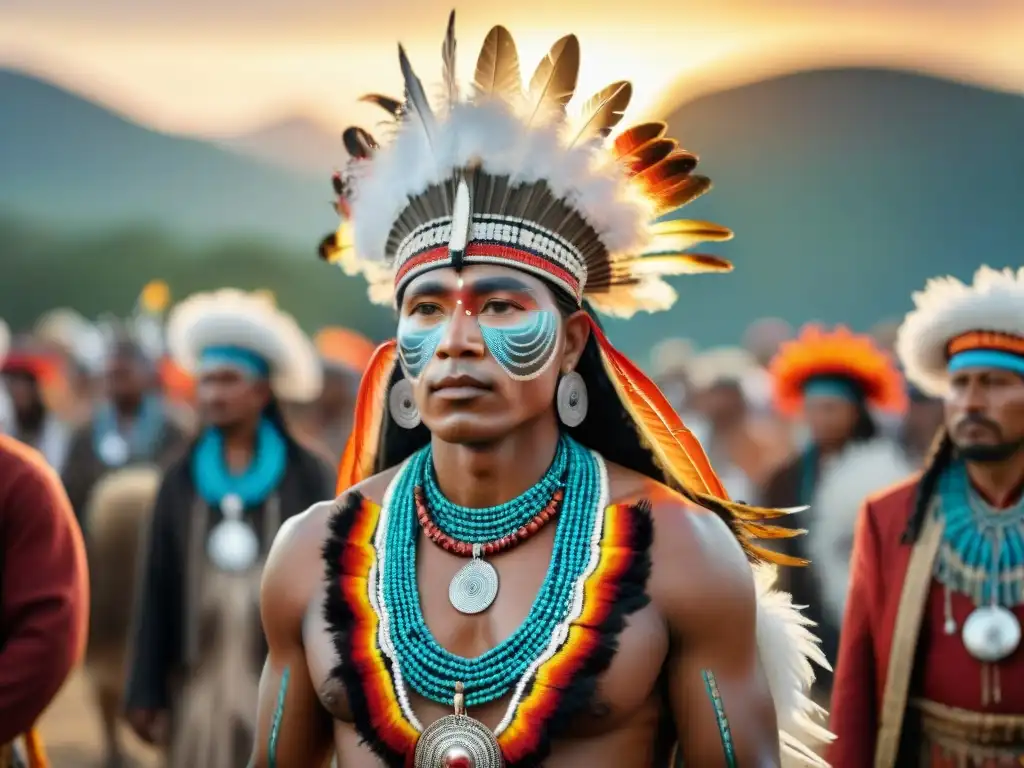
(457, 741)
(474, 587)
(991, 633)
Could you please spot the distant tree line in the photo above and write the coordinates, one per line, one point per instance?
(101, 272)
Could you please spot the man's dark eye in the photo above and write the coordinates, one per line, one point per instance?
(426, 309)
(498, 307)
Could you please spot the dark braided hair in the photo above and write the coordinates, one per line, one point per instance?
(940, 454)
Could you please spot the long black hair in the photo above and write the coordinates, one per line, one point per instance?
(940, 455)
(609, 429)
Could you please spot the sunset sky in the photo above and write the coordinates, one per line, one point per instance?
(217, 67)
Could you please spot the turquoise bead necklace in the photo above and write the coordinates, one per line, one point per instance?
(478, 526)
(982, 547)
(428, 668)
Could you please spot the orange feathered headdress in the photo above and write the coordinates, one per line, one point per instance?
(345, 348)
(817, 354)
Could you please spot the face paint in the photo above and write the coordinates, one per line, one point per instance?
(526, 349)
(416, 346)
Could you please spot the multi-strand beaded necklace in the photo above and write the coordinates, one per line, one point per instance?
(548, 667)
(428, 668)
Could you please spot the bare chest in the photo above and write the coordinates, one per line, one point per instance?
(626, 689)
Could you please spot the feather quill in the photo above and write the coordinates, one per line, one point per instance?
(497, 67)
(554, 81)
(638, 135)
(462, 223)
(392, 106)
(416, 98)
(357, 461)
(603, 111)
(451, 82)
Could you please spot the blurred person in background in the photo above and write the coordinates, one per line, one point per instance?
(81, 347)
(197, 646)
(344, 355)
(831, 379)
(670, 369)
(44, 598)
(118, 511)
(930, 671)
(29, 372)
(921, 424)
(763, 338)
(744, 447)
(130, 425)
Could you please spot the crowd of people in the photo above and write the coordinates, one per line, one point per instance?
(512, 546)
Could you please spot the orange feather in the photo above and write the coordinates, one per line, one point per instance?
(632, 138)
(647, 155)
(34, 750)
(668, 173)
(361, 449)
(688, 190)
(674, 446)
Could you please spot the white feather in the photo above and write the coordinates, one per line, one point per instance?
(859, 471)
(787, 647)
(249, 321)
(948, 308)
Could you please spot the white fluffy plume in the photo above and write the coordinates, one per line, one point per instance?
(948, 308)
(859, 471)
(787, 647)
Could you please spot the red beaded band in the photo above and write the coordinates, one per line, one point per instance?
(505, 543)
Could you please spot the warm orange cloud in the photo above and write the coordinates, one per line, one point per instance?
(225, 66)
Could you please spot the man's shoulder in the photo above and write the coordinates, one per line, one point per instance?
(893, 505)
(18, 460)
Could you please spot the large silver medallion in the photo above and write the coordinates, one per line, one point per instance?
(114, 450)
(458, 741)
(233, 545)
(474, 587)
(991, 633)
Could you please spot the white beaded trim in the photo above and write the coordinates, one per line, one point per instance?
(558, 637)
(508, 230)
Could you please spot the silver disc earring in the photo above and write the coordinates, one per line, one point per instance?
(572, 399)
(403, 406)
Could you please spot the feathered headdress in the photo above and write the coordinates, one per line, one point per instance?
(839, 355)
(503, 174)
(982, 322)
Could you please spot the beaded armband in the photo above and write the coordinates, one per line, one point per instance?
(711, 686)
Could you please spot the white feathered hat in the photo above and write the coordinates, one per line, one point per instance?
(230, 318)
(956, 325)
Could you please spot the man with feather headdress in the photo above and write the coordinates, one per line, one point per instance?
(931, 669)
(197, 646)
(531, 560)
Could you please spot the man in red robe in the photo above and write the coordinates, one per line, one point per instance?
(44, 594)
(930, 669)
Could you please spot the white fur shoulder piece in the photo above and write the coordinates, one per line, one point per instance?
(250, 321)
(948, 308)
(787, 647)
(861, 470)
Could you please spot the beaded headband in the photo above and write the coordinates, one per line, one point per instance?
(504, 177)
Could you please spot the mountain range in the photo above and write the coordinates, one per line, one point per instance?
(846, 188)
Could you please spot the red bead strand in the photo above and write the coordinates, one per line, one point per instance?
(504, 544)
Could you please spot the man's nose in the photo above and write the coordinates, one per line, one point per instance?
(462, 337)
